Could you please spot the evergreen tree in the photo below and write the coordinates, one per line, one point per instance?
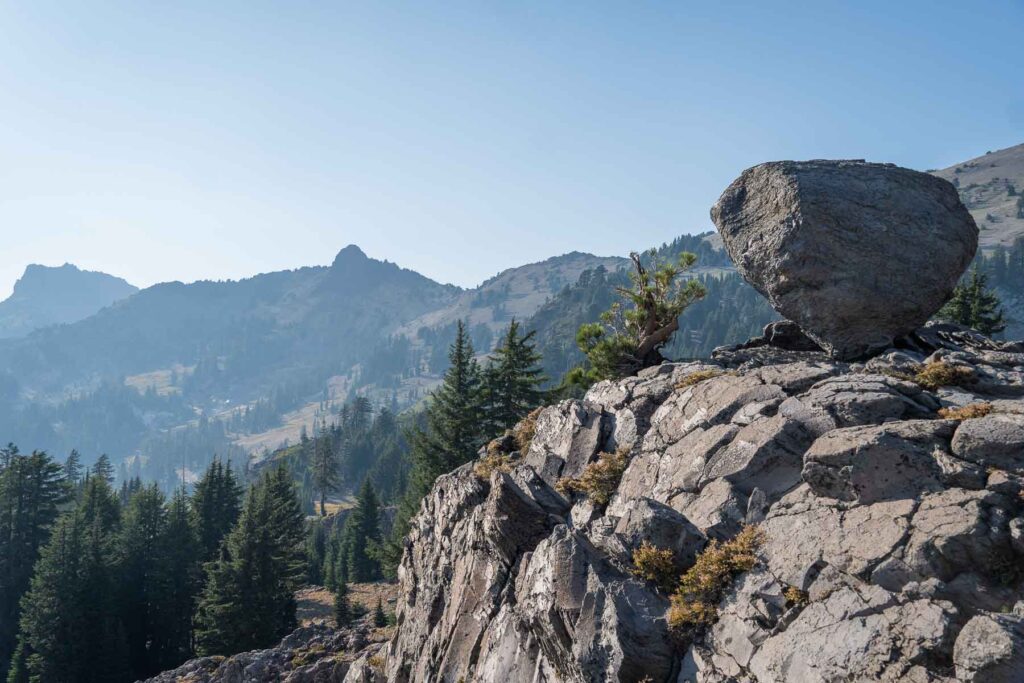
(177, 584)
(326, 475)
(975, 305)
(451, 436)
(103, 468)
(630, 337)
(32, 488)
(362, 534)
(316, 552)
(140, 553)
(73, 468)
(512, 380)
(343, 613)
(380, 619)
(70, 627)
(248, 601)
(216, 502)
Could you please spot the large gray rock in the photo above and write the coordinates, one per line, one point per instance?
(990, 649)
(855, 253)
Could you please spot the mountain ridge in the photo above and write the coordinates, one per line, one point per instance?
(55, 295)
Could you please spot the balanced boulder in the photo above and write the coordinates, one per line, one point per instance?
(855, 253)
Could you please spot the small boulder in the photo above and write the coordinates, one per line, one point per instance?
(990, 648)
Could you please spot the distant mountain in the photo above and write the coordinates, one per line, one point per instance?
(513, 293)
(178, 371)
(46, 296)
(232, 336)
(992, 188)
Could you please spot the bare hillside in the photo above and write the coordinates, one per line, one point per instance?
(991, 187)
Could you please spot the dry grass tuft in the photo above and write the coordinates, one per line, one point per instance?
(795, 597)
(698, 377)
(967, 412)
(654, 564)
(491, 462)
(942, 374)
(376, 663)
(600, 478)
(935, 374)
(695, 602)
(523, 431)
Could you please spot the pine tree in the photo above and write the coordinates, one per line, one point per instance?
(70, 626)
(512, 380)
(248, 601)
(380, 620)
(975, 305)
(216, 502)
(177, 584)
(316, 552)
(103, 468)
(32, 488)
(343, 614)
(73, 468)
(139, 558)
(453, 434)
(362, 533)
(451, 437)
(632, 332)
(326, 473)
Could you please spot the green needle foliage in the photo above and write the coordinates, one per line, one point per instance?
(248, 601)
(630, 335)
(975, 305)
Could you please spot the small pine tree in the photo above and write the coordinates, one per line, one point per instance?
(325, 466)
(380, 619)
(343, 614)
(512, 380)
(975, 305)
(630, 337)
(103, 468)
(362, 532)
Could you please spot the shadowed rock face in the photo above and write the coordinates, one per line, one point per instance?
(855, 253)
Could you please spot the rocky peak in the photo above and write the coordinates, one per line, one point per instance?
(46, 295)
(349, 256)
(898, 521)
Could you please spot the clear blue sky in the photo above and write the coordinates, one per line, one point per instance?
(187, 140)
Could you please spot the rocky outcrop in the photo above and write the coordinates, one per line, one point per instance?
(316, 653)
(857, 254)
(892, 538)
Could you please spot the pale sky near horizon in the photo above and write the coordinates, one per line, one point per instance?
(192, 140)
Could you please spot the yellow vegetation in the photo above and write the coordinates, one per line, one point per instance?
(523, 432)
(794, 596)
(694, 604)
(942, 374)
(376, 663)
(491, 462)
(935, 374)
(967, 412)
(600, 479)
(654, 564)
(698, 377)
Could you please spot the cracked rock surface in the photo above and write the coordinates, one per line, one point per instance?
(902, 532)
